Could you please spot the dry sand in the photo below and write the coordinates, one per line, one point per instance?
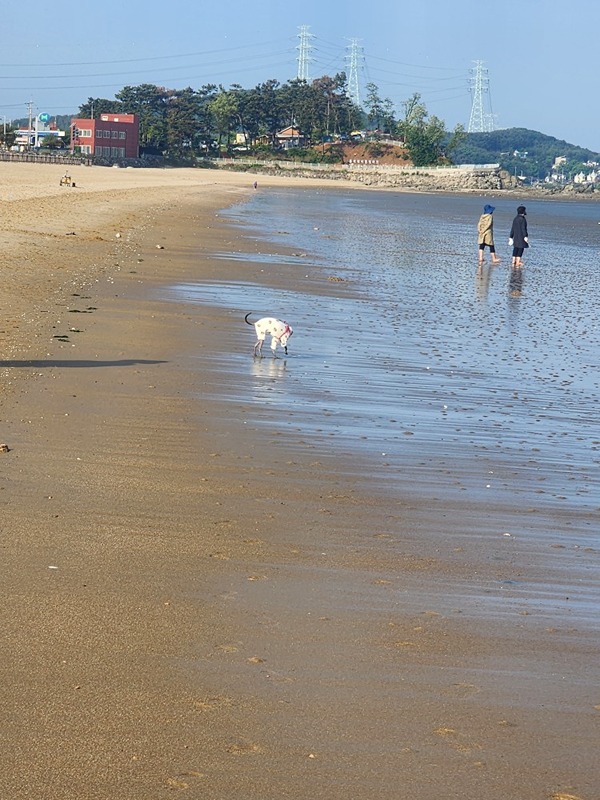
(191, 610)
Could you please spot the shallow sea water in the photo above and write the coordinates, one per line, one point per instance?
(462, 386)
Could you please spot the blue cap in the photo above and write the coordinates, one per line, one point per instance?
(488, 209)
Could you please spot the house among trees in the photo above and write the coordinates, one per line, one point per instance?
(290, 137)
(110, 136)
(589, 177)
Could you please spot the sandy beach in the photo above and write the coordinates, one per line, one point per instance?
(192, 609)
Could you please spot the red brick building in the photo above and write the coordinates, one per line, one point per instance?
(111, 136)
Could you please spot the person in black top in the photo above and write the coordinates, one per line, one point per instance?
(519, 238)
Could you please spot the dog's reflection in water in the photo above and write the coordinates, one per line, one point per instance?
(269, 367)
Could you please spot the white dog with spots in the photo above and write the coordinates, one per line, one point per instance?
(277, 329)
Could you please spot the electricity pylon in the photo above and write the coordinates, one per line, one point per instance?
(481, 119)
(304, 49)
(355, 60)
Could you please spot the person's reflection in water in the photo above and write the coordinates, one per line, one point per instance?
(515, 282)
(482, 282)
(515, 292)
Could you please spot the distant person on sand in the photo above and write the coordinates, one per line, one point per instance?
(485, 229)
(519, 237)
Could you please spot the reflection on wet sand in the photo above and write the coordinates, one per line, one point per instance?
(268, 386)
(398, 361)
(482, 281)
(268, 367)
(515, 283)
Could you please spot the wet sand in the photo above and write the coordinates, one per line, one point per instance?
(192, 608)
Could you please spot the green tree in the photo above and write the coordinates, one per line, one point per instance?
(151, 104)
(52, 142)
(94, 106)
(8, 134)
(424, 136)
(249, 112)
(271, 112)
(388, 121)
(345, 114)
(457, 137)
(374, 106)
(188, 123)
(380, 113)
(225, 114)
(333, 112)
(297, 100)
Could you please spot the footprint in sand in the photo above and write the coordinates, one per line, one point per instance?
(464, 689)
(213, 703)
(563, 796)
(182, 781)
(457, 740)
(244, 748)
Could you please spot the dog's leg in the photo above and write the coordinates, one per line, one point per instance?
(260, 338)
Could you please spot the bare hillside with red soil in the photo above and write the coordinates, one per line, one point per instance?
(382, 152)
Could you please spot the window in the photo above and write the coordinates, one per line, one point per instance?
(115, 134)
(86, 149)
(85, 132)
(122, 134)
(98, 134)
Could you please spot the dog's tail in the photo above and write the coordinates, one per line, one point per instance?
(247, 320)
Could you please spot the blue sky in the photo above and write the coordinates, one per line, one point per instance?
(541, 56)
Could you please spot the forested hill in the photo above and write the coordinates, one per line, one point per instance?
(520, 150)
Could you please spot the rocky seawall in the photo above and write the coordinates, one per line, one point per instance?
(462, 178)
(435, 179)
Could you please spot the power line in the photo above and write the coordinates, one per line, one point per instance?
(415, 66)
(146, 58)
(143, 72)
(156, 80)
